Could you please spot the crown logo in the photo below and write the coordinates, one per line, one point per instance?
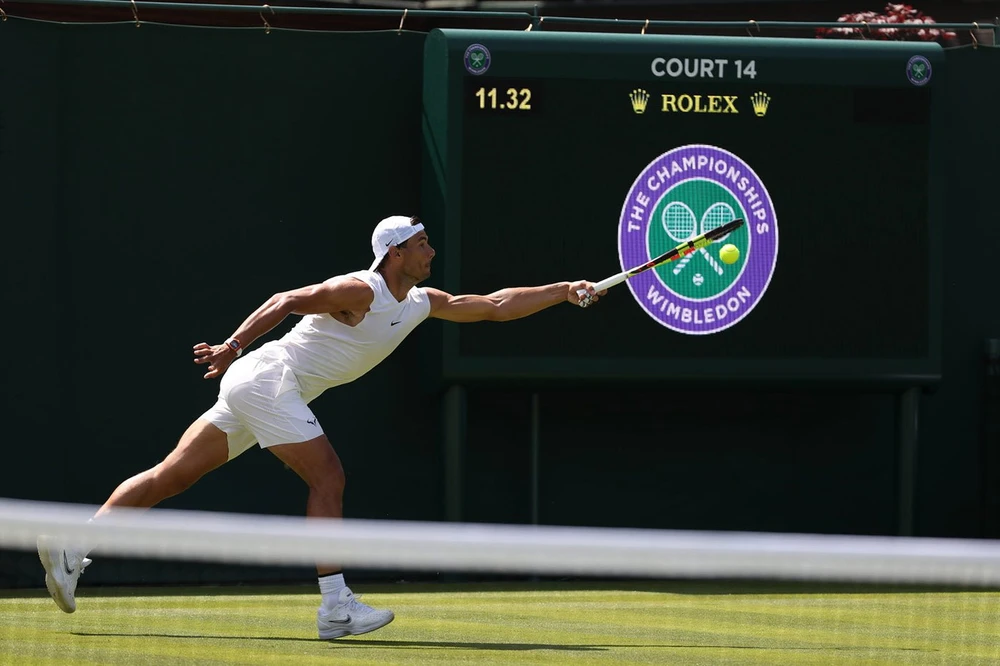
(760, 102)
(639, 99)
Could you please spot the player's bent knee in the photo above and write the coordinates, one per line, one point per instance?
(315, 462)
(328, 477)
(336, 479)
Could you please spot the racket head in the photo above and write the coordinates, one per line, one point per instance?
(673, 254)
(717, 215)
(723, 231)
(690, 246)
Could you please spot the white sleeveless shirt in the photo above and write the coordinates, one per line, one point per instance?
(321, 352)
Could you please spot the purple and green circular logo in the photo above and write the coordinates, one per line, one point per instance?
(684, 193)
(918, 70)
(477, 59)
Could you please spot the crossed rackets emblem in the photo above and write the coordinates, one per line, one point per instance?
(478, 59)
(681, 224)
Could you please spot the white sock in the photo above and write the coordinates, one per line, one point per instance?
(330, 587)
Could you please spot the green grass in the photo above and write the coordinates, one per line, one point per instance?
(543, 623)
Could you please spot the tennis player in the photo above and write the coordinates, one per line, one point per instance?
(350, 324)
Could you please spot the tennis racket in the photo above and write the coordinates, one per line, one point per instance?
(682, 250)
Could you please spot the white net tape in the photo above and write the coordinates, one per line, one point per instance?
(250, 539)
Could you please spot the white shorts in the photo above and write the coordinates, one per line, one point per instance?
(259, 401)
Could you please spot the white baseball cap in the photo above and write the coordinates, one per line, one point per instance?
(391, 232)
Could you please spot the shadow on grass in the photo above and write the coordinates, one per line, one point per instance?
(345, 643)
(354, 642)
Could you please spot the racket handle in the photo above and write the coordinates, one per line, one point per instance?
(606, 283)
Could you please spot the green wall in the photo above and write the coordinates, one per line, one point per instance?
(952, 499)
(156, 185)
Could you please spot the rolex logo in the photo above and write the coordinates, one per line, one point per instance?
(760, 101)
(639, 99)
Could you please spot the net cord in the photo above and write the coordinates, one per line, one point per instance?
(470, 547)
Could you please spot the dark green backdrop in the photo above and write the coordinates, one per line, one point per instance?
(157, 184)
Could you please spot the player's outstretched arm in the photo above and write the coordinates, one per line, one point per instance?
(506, 304)
(334, 295)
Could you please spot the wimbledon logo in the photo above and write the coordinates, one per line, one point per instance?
(679, 195)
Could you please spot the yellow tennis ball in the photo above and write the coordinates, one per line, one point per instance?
(729, 253)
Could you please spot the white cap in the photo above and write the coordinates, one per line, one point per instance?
(391, 232)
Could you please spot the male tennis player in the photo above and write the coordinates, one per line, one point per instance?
(352, 322)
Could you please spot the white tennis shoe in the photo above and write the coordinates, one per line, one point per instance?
(350, 617)
(62, 571)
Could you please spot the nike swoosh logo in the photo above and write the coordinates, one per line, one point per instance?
(340, 621)
(66, 565)
(393, 323)
(388, 244)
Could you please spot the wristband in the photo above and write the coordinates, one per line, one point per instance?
(235, 345)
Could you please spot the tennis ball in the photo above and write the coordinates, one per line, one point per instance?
(729, 253)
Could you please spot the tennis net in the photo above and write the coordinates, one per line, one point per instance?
(505, 593)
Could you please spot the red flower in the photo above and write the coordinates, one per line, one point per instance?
(893, 14)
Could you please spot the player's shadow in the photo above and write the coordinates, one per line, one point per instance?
(379, 643)
(354, 642)
(500, 647)
(462, 645)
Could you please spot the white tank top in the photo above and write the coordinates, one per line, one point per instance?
(321, 352)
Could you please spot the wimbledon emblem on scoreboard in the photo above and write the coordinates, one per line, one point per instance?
(679, 195)
(477, 59)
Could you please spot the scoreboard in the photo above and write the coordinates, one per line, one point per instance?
(563, 156)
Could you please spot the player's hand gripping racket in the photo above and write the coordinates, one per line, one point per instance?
(685, 248)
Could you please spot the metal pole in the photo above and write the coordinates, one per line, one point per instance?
(907, 421)
(535, 446)
(454, 451)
